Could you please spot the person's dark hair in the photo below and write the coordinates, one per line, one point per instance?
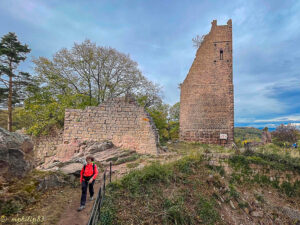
(90, 157)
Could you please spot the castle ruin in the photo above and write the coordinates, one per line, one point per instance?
(206, 99)
(119, 120)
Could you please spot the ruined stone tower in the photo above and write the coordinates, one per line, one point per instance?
(206, 99)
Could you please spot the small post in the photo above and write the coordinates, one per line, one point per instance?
(109, 172)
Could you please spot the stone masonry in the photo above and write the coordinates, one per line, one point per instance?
(46, 146)
(206, 99)
(119, 120)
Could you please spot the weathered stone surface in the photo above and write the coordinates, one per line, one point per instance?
(50, 181)
(206, 99)
(15, 154)
(73, 168)
(98, 147)
(118, 122)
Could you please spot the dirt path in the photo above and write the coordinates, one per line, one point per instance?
(71, 216)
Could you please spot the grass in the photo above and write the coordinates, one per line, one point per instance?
(162, 194)
(187, 148)
(243, 173)
(129, 158)
(132, 165)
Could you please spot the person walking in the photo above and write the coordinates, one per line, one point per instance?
(88, 175)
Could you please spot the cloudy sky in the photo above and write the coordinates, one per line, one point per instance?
(158, 35)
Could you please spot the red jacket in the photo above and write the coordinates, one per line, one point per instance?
(88, 171)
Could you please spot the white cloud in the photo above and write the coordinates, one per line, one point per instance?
(288, 118)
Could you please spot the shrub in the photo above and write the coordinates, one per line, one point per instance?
(284, 135)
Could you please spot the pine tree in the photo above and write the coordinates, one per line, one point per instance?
(12, 82)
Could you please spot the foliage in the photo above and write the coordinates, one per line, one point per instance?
(174, 112)
(166, 120)
(12, 82)
(247, 133)
(138, 180)
(85, 75)
(98, 72)
(159, 115)
(175, 211)
(170, 191)
(108, 212)
(207, 211)
(127, 159)
(285, 134)
(46, 111)
(244, 173)
(19, 120)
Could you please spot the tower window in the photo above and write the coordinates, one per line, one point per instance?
(221, 54)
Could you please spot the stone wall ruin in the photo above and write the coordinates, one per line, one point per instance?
(119, 120)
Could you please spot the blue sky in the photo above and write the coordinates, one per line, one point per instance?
(158, 35)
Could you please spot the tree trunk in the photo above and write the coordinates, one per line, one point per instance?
(9, 105)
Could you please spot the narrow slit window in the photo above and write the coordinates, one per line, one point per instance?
(221, 54)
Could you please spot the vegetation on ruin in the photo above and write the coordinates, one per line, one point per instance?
(174, 194)
(187, 191)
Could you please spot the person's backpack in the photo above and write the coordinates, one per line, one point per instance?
(93, 169)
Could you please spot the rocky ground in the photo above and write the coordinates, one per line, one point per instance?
(226, 186)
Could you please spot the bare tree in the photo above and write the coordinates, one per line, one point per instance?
(197, 41)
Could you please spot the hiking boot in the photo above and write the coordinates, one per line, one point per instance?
(81, 208)
(91, 198)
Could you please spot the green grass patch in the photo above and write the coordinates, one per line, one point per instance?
(163, 194)
(130, 158)
(207, 212)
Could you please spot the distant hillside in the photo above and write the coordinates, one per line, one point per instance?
(247, 133)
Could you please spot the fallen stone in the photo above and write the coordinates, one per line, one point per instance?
(257, 213)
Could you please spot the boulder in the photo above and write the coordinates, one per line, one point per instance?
(73, 168)
(50, 181)
(16, 156)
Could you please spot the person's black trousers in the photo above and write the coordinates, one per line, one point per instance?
(84, 186)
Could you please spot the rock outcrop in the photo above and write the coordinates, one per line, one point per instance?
(16, 155)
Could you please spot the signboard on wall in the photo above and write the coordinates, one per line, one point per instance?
(223, 136)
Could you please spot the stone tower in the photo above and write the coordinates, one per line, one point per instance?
(206, 98)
